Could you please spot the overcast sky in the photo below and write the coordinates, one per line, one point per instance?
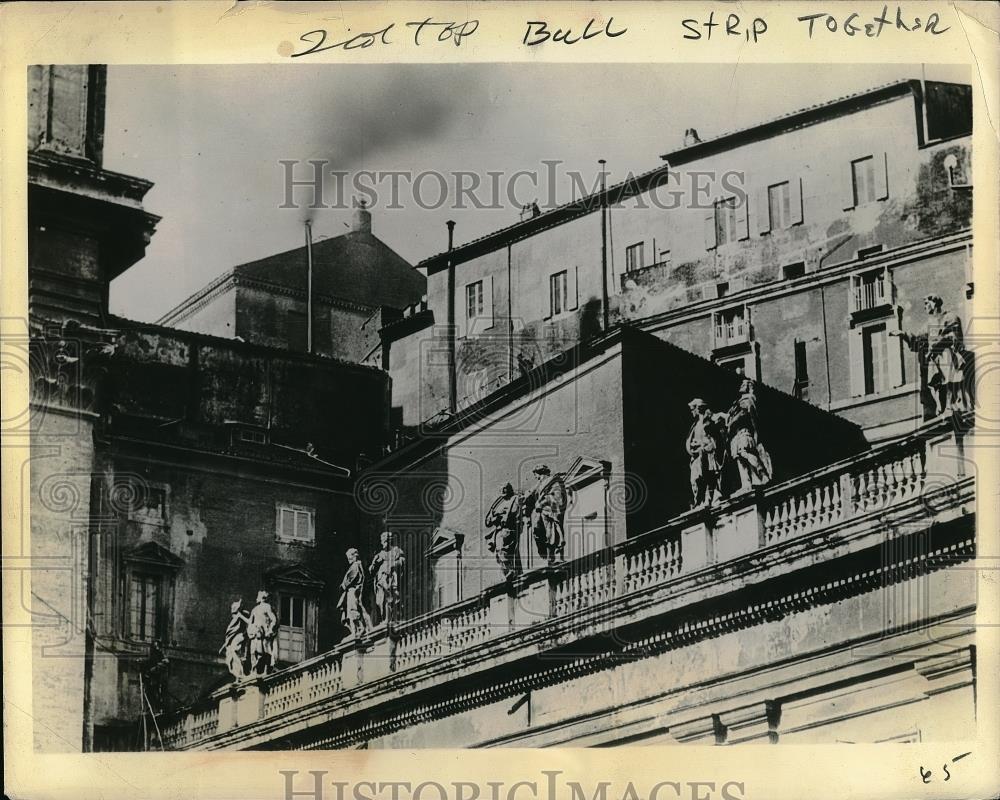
(211, 138)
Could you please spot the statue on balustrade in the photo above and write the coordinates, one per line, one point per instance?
(262, 630)
(504, 535)
(706, 448)
(236, 647)
(544, 512)
(751, 457)
(352, 608)
(387, 567)
(943, 359)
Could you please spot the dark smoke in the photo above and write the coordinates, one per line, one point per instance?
(385, 108)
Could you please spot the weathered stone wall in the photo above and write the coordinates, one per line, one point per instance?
(221, 521)
(277, 319)
(921, 205)
(452, 488)
(59, 472)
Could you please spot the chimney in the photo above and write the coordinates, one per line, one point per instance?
(691, 137)
(361, 218)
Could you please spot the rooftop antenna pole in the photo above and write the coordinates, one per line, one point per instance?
(309, 287)
(604, 247)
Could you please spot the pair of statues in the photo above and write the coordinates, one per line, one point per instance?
(250, 647)
(387, 567)
(943, 359)
(714, 435)
(541, 511)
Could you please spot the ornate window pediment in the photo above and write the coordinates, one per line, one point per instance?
(444, 541)
(154, 556)
(294, 577)
(585, 470)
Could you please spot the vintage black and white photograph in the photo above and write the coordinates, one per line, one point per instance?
(501, 405)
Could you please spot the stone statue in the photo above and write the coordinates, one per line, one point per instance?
(706, 448)
(750, 455)
(352, 608)
(544, 511)
(236, 646)
(504, 536)
(943, 359)
(262, 631)
(387, 566)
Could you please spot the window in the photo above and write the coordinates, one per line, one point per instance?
(791, 271)
(291, 628)
(726, 228)
(957, 176)
(869, 290)
(801, 387)
(474, 300)
(779, 203)
(875, 352)
(150, 503)
(296, 524)
(868, 252)
(253, 436)
(863, 174)
(731, 326)
(446, 564)
(474, 307)
(722, 289)
(558, 293)
(635, 257)
(665, 258)
(144, 607)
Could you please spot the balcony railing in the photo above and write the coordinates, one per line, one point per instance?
(855, 491)
(869, 291)
(731, 327)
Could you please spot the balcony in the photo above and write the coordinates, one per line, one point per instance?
(731, 330)
(814, 521)
(871, 291)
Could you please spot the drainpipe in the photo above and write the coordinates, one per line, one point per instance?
(604, 248)
(452, 333)
(309, 287)
(510, 315)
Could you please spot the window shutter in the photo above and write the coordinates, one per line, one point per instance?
(488, 312)
(846, 180)
(710, 240)
(742, 218)
(547, 298)
(856, 355)
(894, 347)
(286, 520)
(461, 303)
(795, 187)
(312, 629)
(572, 289)
(881, 175)
(763, 211)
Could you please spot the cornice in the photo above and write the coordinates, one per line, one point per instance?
(776, 563)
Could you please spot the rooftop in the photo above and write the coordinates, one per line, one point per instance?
(636, 184)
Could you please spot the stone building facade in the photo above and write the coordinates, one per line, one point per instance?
(172, 472)
(789, 251)
(354, 277)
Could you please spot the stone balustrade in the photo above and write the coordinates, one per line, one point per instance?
(816, 503)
